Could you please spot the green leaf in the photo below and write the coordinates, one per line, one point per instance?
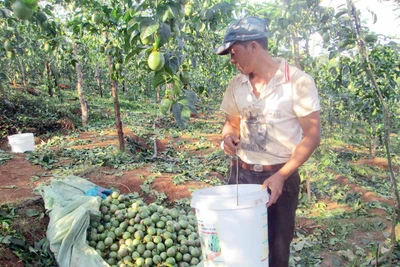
(332, 54)
(189, 101)
(5, 239)
(185, 115)
(209, 14)
(167, 11)
(3, 13)
(163, 12)
(333, 71)
(177, 112)
(148, 27)
(225, 7)
(375, 18)
(73, 62)
(346, 70)
(116, 13)
(129, 56)
(32, 213)
(133, 24)
(3, 76)
(164, 33)
(47, 10)
(17, 241)
(202, 90)
(127, 43)
(172, 61)
(86, 25)
(32, 249)
(160, 78)
(128, 2)
(181, 112)
(133, 37)
(341, 13)
(127, 16)
(191, 96)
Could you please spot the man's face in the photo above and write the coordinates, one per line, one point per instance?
(241, 57)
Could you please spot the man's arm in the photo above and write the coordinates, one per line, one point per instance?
(231, 134)
(311, 127)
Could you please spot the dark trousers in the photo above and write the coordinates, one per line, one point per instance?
(281, 215)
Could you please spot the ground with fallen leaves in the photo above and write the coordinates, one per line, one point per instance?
(19, 178)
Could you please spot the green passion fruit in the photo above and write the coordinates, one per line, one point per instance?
(96, 18)
(185, 77)
(165, 107)
(156, 60)
(8, 46)
(32, 4)
(22, 11)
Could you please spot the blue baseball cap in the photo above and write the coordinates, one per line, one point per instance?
(244, 29)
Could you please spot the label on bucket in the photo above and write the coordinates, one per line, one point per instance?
(210, 244)
(264, 237)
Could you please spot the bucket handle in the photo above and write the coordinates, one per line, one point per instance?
(237, 175)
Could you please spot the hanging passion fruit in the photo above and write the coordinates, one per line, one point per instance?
(22, 11)
(156, 60)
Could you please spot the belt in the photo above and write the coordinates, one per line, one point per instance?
(257, 167)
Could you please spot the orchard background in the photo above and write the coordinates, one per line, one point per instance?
(127, 94)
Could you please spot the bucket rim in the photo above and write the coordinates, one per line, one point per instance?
(200, 192)
(229, 199)
(20, 135)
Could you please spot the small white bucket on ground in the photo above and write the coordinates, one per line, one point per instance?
(21, 142)
(233, 231)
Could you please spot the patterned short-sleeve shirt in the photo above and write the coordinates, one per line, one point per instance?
(269, 126)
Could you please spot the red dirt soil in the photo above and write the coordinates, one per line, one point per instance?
(17, 181)
(19, 177)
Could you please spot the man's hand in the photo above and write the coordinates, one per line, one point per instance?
(275, 184)
(231, 144)
(230, 134)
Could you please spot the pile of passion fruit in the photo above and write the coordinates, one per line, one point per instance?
(133, 233)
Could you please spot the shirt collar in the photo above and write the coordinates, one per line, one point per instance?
(283, 73)
(281, 76)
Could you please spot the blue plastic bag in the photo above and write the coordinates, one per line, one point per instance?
(98, 191)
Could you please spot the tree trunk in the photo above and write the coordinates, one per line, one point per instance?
(372, 146)
(295, 51)
(23, 73)
(386, 121)
(49, 87)
(79, 88)
(98, 80)
(54, 73)
(308, 182)
(117, 113)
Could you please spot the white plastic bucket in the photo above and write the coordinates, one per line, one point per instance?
(21, 142)
(233, 231)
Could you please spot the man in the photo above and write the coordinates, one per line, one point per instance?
(272, 125)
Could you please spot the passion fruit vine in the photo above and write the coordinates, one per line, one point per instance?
(132, 233)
